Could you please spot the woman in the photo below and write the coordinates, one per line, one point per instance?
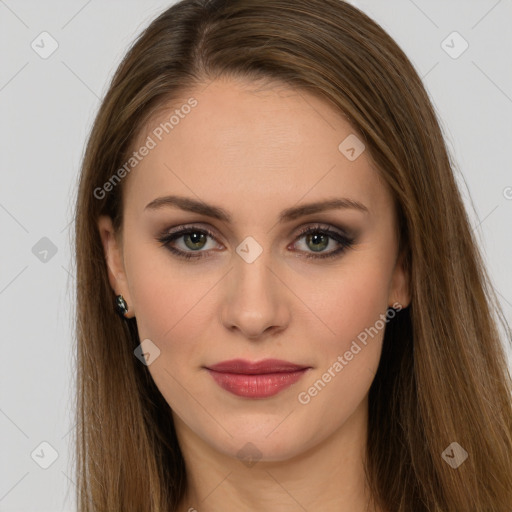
(304, 320)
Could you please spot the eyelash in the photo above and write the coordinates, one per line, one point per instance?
(345, 241)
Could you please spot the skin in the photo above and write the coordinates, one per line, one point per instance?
(255, 152)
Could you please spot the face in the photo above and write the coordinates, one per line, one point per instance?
(242, 281)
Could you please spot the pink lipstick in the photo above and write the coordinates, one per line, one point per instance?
(260, 379)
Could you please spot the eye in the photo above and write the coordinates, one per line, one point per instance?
(317, 239)
(194, 238)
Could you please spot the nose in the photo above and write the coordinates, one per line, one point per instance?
(256, 300)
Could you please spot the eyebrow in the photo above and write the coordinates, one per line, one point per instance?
(216, 212)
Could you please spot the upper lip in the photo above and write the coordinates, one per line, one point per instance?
(258, 367)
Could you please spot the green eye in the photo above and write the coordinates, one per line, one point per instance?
(317, 239)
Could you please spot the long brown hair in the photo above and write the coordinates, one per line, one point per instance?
(443, 376)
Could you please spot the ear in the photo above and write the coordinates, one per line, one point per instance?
(400, 284)
(112, 248)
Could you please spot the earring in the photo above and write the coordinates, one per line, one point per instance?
(121, 306)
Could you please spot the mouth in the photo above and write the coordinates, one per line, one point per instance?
(261, 379)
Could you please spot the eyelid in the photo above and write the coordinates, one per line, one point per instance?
(198, 226)
(209, 229)
(327, 228)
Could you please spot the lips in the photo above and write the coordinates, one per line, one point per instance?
(256, 368)
(261, 379)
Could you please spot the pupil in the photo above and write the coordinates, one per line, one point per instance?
(318, 238)
(196, 238)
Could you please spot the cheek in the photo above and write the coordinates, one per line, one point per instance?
(353, 306)
(361, 301)
(173, 305)
(347, 361)
(352, 301)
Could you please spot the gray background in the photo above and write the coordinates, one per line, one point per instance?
(48, 105)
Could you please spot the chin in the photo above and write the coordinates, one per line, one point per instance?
(262, 443)
(252, 449)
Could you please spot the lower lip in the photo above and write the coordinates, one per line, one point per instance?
(256, 386)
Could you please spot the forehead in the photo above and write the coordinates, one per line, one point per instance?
(237, 143)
